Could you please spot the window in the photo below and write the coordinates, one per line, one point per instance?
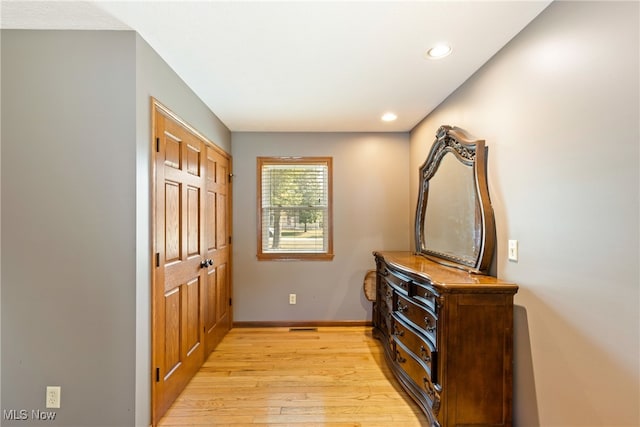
(294, 208)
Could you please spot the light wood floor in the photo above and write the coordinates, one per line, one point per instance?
(335, 376)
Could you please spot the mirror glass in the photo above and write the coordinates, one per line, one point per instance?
(451, 221)
(454, 219)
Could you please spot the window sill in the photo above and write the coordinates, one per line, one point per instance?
(295, 257)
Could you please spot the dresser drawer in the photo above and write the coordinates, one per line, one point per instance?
(399, 281)
(424, 319)
(419, 346)
(424, 294)
(418, 374)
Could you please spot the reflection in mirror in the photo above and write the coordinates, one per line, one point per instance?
(454, 218)
(451, 220)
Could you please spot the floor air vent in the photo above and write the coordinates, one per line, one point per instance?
(303, 329)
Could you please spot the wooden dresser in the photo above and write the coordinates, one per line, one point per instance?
(448, 338)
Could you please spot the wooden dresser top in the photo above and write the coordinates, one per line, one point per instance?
(448, 279)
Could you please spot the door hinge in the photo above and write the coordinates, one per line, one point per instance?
(229, 239)
(230, 177)
(157, 259)
(157, 145)
(230, 302)
(157, 375)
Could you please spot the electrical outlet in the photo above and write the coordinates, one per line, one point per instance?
(513, 250)
(53, 396)
(292, 298)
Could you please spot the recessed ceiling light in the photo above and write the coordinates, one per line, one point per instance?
(389, 117)
(439, 51)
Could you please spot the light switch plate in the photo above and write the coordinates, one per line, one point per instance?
(513, 250)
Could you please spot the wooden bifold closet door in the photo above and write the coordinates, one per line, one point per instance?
(191, 292)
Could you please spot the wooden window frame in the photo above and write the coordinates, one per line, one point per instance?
(295, 256)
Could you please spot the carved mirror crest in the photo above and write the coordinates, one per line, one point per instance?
(454, 218)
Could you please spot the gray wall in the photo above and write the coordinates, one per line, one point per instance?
(68, 224)
(370, 208)
(155, 78)
(558, 108)
(76, 141)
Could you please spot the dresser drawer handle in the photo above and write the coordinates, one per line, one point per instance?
(429, 324)
(399, 358)
(423, 354)
(402, 308)
(398, 332)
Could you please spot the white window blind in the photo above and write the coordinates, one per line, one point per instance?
(295, 207)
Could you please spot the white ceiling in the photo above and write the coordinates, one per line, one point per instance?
(304, 65)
